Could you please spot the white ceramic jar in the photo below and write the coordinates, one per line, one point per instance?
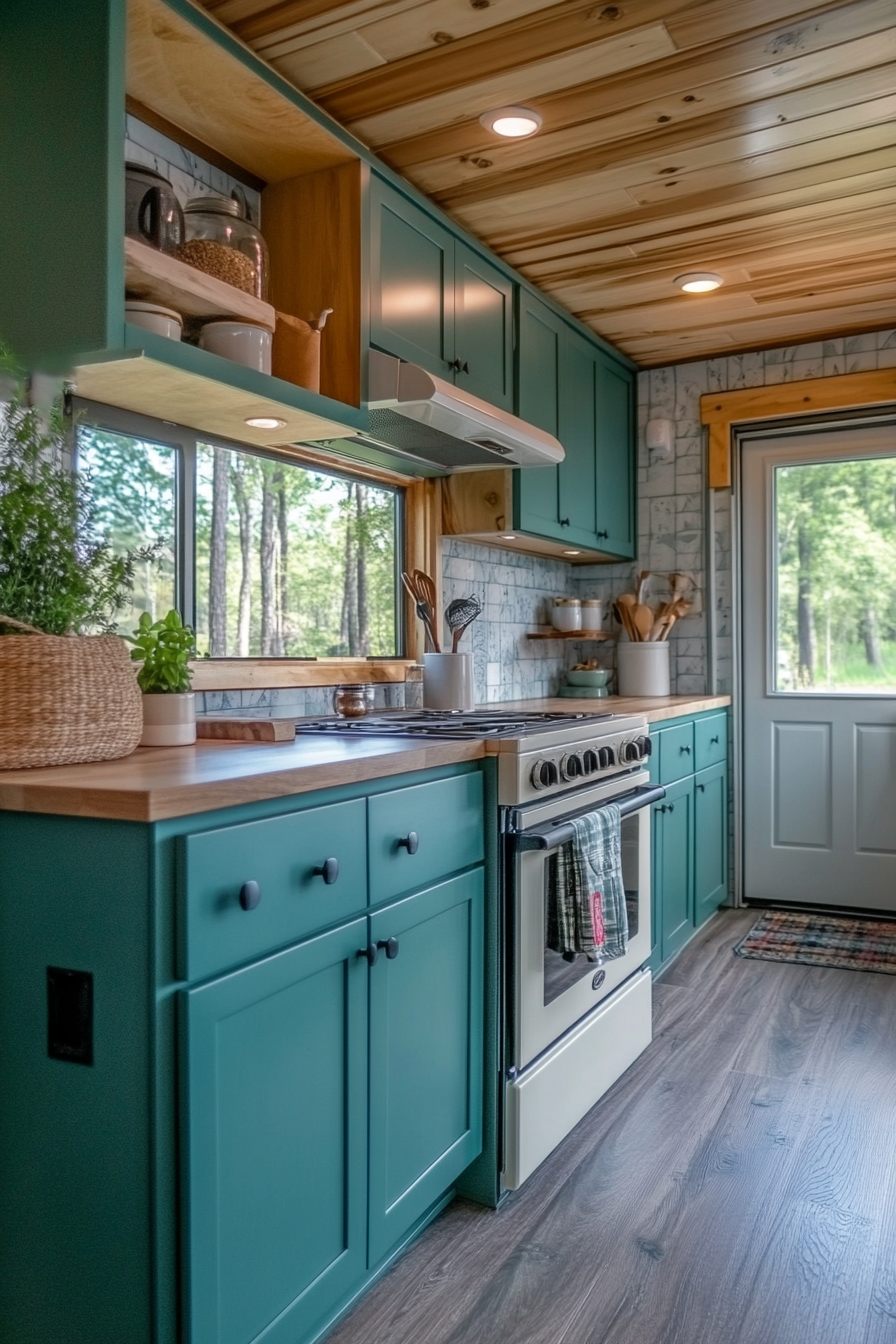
(153, 317)
(566, 614)
(240, 341)
(169, 720)
(592, 613)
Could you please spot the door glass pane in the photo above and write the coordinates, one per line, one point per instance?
(135, 492)
(290, 562)
(835, 586)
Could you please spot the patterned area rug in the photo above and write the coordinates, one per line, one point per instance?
(822, 940)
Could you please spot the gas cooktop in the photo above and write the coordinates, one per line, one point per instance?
(453, 723)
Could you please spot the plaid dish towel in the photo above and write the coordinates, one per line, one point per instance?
(586, 897)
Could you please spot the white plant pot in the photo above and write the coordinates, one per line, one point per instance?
(169, 720)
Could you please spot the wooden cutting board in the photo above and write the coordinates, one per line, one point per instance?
(247, 730)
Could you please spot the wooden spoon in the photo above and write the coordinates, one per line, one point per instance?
(643, 619)
(625, 602)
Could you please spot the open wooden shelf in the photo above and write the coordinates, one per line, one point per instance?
(570, 634)
(155, 277)
(171, 380)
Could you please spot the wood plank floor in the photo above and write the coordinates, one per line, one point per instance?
(736, 1186)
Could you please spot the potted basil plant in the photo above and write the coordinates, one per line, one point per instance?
(165, 648)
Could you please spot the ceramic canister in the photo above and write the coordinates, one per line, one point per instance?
(566, 613)
(240, 341)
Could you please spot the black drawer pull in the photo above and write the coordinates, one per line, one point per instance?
(602, 536)
(250, 895)
(328, 870)
(370, 953)
(667, 807)
(702, 788)
(687, 749)
(410, 842)
(390, 946)
(564, 522)
(713, 741)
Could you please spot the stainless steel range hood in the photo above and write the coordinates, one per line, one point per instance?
(424, 418)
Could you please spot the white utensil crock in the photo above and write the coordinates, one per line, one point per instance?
(643, 669)
(169, 720)
(448, 681)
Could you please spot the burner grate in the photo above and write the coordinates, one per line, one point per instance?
(450, 723)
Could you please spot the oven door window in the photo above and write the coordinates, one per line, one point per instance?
(560, 975)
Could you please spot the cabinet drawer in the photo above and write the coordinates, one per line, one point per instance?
(710, 741)
(441, 822)
(281, 855)
(676, 753)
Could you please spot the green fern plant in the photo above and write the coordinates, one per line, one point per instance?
(56, 570)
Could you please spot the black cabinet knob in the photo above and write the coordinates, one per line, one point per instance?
(714, 741)
(702, 788)
(369, 953)
(390, 946)
(410, 842)
(456, 366)
(564, 522)
(666, 807)
(250, 895)
(328, 870)
(687, 750)
(602, 536)
(465, 368)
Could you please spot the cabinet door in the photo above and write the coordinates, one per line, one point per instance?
(275, 1141)
(426, 1028)
(673, 868)
(411, 282)
(536, 490)
(578, 428)
(710, 841)
(615, 457)
(483, 328)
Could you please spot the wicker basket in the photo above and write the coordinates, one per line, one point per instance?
(65, 699)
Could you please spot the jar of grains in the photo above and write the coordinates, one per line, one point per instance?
(223, 243)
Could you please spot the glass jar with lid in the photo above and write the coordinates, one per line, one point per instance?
(566, 614)
(221, 241)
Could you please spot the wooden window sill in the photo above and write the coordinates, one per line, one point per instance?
(234, 674)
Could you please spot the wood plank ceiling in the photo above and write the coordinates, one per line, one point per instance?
(754, 138)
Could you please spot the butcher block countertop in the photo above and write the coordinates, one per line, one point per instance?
(156, 783)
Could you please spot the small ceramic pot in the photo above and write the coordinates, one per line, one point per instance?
(566, 613)
(592, 613)
(152, 317)
(239, 341)
(169, 720)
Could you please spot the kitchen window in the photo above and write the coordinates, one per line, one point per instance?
(267, 557)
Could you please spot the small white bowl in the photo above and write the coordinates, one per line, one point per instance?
(240, 341)
(152, 317)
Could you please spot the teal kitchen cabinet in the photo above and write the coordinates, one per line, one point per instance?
(275, 1141)
(689, 829)
(436, 302)
(268, 1106)
(425, 1052)
(570, 387)
(710, 840)
(673, 868)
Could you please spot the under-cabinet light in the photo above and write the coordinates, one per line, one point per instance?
(572, 552)
(265, 422)
(698, 282)
(508, 536)
(513, 122)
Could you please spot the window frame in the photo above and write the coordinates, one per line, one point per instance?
(416, 542)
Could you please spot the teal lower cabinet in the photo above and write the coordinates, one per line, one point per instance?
(243, 1057)
(425, 1053)
(275, 1140)
(689, 832)
(673, 868)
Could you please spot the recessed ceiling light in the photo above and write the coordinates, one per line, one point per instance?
(265, 422)
(509, 536)
(698, 282)
(572, 552)
(514, 122)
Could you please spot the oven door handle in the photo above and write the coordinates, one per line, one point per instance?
(550, 837)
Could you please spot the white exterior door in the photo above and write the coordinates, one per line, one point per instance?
(819, 668)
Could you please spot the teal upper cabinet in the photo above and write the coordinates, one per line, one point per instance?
(412, 282)
(436, 302)
(483, 328)
(569, 386)
(614, 456)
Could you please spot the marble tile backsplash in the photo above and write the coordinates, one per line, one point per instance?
(188, 174)
(675, 515)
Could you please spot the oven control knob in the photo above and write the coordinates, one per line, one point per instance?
(590, 762)
(606, 757)
(645, 746)
(630, 752)
(571, 766)
(544, 773)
